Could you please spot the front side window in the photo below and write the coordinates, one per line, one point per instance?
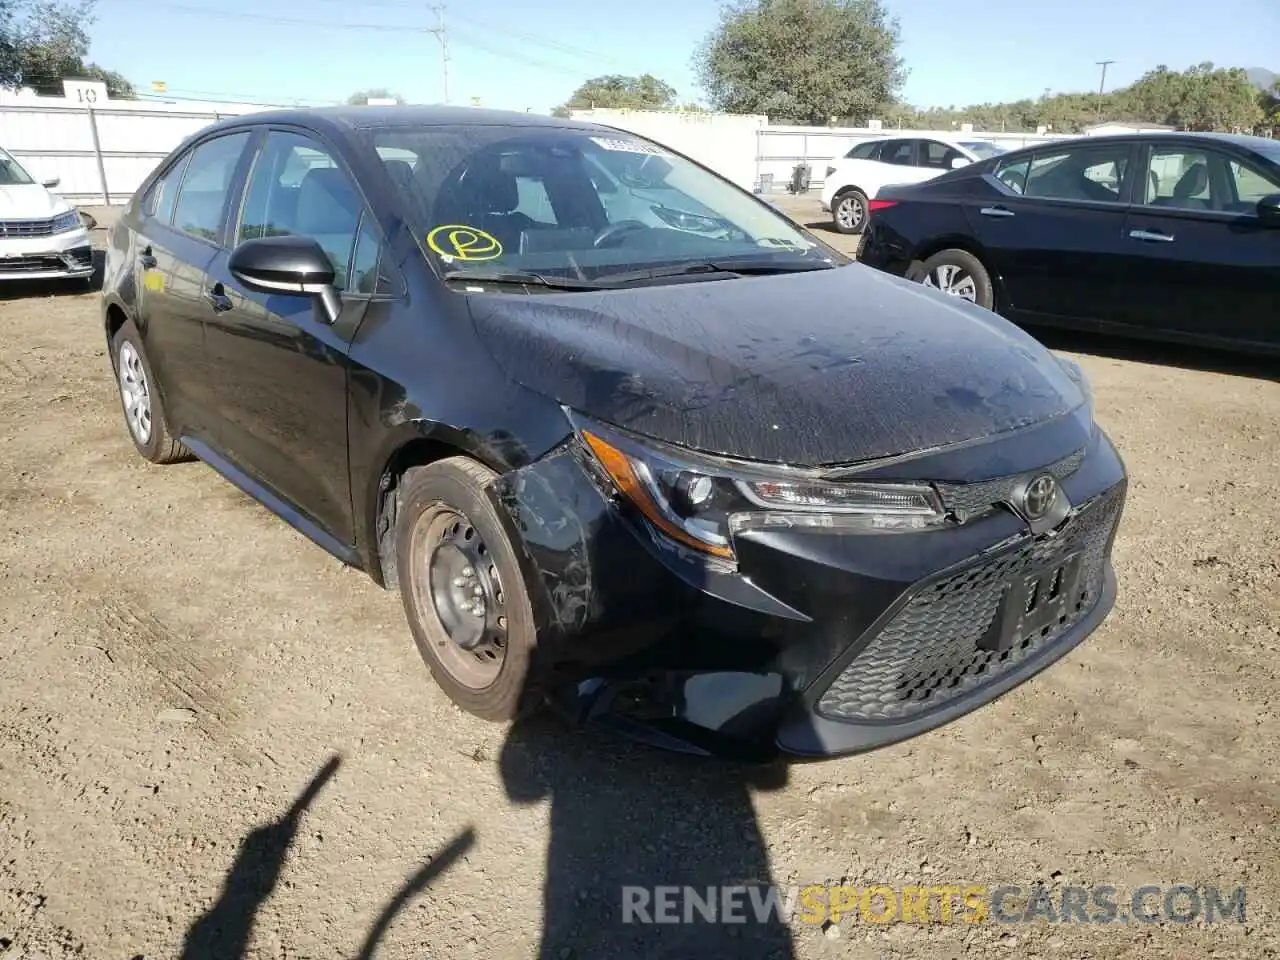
(1191, 178)
(865, 151)
(11, 172)
(1013, 173)
(982, 149)
(939, 155)
(297, 188)
(198, 210)
(574, 204)
(1081, 173)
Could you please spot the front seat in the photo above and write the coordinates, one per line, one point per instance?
(487, 198)
(328, 211)
(1189, 184)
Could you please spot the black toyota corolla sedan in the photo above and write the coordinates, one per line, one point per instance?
(1170, 236)
(625, 439)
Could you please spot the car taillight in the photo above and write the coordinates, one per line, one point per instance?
(874, 205)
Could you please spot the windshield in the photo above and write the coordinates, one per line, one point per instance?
(982, 149)
(565, 203)
(11, 172)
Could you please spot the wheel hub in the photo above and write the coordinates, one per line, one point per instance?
(465, 589)
(135, 392)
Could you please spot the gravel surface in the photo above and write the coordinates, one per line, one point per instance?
(177, 665)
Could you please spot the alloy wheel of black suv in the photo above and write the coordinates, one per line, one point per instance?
(626, 440)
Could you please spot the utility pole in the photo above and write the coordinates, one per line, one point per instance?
(443, 37)
(1102, 84)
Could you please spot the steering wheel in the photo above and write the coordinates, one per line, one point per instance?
(615, 230)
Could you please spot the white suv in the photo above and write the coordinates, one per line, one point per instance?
(41, 235)
(857, 177)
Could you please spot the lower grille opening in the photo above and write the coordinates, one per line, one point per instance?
(932, 651)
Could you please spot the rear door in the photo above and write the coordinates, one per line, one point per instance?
(180, 225)
(283, 368)
(1198, 258)
(1053, 229)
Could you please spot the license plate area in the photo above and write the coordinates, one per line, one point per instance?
(1036, 603)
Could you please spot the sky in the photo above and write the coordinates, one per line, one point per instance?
(511, 54)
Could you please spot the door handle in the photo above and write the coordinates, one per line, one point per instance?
(146, 260)
(218, 298)
(1151, 235)
(996, 212)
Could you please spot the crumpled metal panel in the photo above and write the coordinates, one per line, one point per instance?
(928, 654)
(974, 499)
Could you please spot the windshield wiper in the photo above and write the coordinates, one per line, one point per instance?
(527, 279)
(721, 269)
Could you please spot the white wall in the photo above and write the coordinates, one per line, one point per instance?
(53, 137)
(745, 148)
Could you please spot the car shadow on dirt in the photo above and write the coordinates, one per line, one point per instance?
(70, 287)
(627, 819)
(1209, 360)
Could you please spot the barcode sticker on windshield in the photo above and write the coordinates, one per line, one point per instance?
(628, 146)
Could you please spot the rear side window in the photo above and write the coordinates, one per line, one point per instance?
(204, 190)
(1083, 173)
(165, 193)
(297, 187)
(899, 152)
(865, 151)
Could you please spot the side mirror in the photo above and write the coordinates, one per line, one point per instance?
(1269, 209)
(50, 184)
(958, 162)
(288, 264)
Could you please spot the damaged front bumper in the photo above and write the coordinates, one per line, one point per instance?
(817, 643)
(61, 255)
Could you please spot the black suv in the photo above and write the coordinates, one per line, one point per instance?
(625, 439)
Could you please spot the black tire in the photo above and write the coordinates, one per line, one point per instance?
(158, 443)
(856, 214)
(429, 498)
(934, 273)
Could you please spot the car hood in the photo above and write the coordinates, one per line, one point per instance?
(29, 201)
(825, 367)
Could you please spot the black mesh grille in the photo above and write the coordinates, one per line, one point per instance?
(930, 652)
(31, 264)
(975, 499)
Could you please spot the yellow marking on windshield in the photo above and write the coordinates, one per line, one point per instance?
(460, 242)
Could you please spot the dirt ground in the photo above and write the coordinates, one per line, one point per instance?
(176, 666)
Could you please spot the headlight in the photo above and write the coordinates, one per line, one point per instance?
(65, 222)
(701, 502)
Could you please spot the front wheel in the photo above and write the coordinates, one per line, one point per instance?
(849, 211)
(463, 590)
(959, 274)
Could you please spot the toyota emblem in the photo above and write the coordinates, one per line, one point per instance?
(1039, 496)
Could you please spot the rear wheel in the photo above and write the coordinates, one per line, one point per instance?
(849, 211)
(143, 410)
(959, 274)
(463, 590)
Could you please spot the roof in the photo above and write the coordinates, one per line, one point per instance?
(363, 117)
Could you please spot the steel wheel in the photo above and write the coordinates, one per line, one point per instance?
(954, 280)
(456, 578)
(135, 392)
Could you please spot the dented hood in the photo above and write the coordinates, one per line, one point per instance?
(825, 367)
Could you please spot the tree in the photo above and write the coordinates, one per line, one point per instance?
(43, 42)
(803, 61)
(617, 92)
(361, 97)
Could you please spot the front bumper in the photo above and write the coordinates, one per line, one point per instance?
(66, 254)
(819, 644)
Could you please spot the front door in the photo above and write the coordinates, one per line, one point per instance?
(283, 385)
(1055, 239)
(1199, 259)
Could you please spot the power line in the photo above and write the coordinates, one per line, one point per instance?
(443, 37)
